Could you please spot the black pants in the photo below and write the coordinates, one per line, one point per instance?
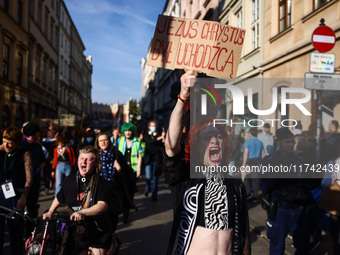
(335, 232)
(32, 204)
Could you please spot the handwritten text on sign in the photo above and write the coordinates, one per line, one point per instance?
(204, 46)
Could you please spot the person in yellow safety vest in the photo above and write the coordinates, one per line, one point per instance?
(130, 146)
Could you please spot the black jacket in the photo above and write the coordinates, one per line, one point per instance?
(177, 175)
(290, 189)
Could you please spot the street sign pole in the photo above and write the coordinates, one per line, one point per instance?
(323, 39)
(318, 125)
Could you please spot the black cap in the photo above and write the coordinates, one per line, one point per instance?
(266, 125)
(31, 129)
(283, 133)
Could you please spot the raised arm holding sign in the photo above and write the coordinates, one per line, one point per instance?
(200, 45)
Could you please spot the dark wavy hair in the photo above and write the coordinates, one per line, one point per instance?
(193, 143)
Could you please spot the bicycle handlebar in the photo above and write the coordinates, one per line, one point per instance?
(24, 214)
(12, 212)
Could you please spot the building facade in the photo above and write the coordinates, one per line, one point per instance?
(65, 43)
(43, 71)
(202, 9)
(43, 58)
(248, 15)
(160, 87)
(86, 105)
(14, 68)
(108, 116)
(275, 57)
(76, 79)
(158, 84)
(287, 47)
(75, 71)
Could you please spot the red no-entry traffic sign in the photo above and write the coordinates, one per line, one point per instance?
(323, 38)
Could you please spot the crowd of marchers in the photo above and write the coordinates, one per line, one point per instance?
(95, 176)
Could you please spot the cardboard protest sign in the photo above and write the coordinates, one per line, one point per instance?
(201, 45)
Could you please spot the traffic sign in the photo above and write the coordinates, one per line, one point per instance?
(322, 62)
(323, 38)
(322, 81)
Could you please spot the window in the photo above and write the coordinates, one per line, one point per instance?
(191, 11)
(19, 12)
(39, 14)
(319, 3)
(63, 95)
(61, 65)
(19, 69)
(57, 9)
(56, 37)
(239, 18)
(38, 65)
(43, 70)
(19, 117)
(284, 14)
(46, 22)
(49, 76)
(31, 6)
(65, 70)
(248, 115)
(51, 31)
(37, 111)
(54, 75)
(5, 62)
(255, 25)
(5, 117)
(6, 5)
(279, 115)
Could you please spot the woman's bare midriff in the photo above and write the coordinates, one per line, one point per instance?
(211, 242)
